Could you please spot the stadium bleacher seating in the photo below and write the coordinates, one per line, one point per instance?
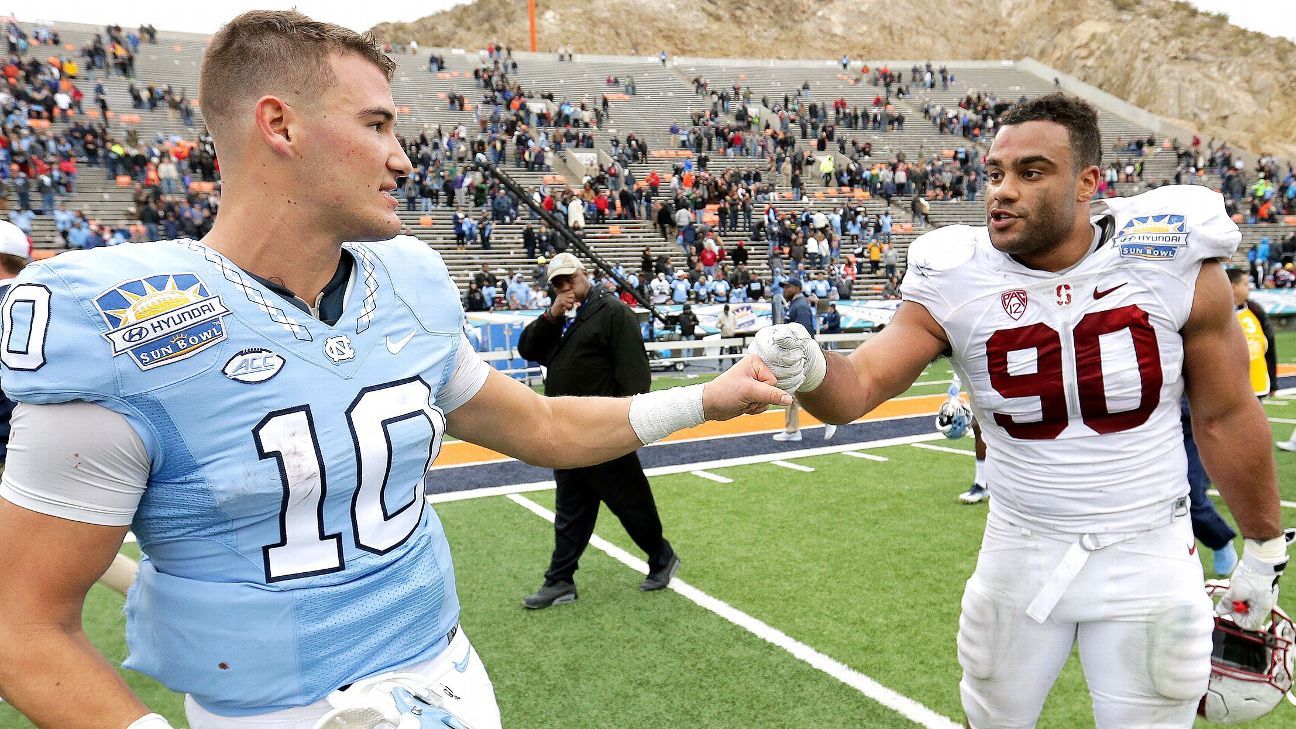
(665, 95)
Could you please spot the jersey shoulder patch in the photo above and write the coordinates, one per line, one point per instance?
(1178, 224)
(85, 325)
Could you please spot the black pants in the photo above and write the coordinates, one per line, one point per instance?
(620, 484)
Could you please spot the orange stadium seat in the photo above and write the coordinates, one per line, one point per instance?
(177, 48)
(39, 123)
(614, 230)
(947, 153)
(43, 253)
(819, 194)
(201, 186)
(69, 46)
(1289, 220)
(123, 180)
(443, 75)
(425, 221)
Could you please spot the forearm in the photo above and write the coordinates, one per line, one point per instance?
(843, 396)
(579, 431)
(53, 675)
(1234, 448)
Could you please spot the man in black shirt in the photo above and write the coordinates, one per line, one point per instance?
(599, 351)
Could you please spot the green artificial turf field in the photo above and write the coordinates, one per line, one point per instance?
(861, 561)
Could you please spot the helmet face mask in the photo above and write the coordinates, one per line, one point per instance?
(1251, 671)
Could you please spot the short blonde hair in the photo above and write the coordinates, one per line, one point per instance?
(275, 52)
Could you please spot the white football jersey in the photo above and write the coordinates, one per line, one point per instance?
(1076, 376)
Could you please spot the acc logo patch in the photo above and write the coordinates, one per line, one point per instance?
(161, 319)
(1014, 303)
(253, 365)
(1152, 237)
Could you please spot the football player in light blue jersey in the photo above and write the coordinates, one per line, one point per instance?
(260, 408)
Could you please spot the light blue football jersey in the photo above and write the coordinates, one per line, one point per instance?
(288, 548)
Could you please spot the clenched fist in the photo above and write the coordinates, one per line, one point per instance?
(792, 355)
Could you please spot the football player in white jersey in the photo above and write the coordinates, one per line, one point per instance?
(291, 569)
(1076, 325)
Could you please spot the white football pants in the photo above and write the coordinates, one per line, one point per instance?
(470, 695)
(1136, 607)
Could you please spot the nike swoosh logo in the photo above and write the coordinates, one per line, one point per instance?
(1099, 294)
(396, 346)
(462, 666)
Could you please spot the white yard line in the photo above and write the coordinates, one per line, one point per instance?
(899, 703)
(1288, 504)
(792, 466)
(1283, 421)
(866, 456)
(944, 449)
(711, 476)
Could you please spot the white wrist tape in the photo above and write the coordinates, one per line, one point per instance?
(1269, 552)
(655, 415)
(150, 721)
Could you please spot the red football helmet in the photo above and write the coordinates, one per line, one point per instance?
(1251, 671)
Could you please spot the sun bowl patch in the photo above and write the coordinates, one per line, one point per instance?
(1152, 237)
(161, 319)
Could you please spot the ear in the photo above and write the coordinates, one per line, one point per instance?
(1087, 183)
(275, 124)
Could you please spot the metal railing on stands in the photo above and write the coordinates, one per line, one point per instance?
(720, 353)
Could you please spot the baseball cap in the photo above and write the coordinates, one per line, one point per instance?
(13, 241)
(564, 264)
(793, 282)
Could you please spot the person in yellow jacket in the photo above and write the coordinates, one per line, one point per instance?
(1259, 335)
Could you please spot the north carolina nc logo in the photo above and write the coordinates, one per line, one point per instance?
(161, 319)
(1152, 237)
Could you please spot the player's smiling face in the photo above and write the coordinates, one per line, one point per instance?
(1031, 188)
(354, 161)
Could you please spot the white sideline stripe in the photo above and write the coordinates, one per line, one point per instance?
(866, 456)
(1275, 402)
(944, 449)
(1283, 421)
(793, 466)
(1288, 504)
(711, 476)
(771, 431)
(699, 466)
(899, 703)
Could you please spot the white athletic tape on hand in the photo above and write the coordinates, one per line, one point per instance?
(655, 415)
(150, 721)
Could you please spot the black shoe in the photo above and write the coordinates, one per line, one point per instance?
(555, 594)
(660, 578)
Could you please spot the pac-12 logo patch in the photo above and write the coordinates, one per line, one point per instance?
(253, 365)
(1014, 303)
(161, 319)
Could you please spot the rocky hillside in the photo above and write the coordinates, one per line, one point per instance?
(1162, 55)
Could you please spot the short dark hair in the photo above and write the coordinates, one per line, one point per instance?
(1235, 274)
(275, 51)
(13, 265)
(1072, 112)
